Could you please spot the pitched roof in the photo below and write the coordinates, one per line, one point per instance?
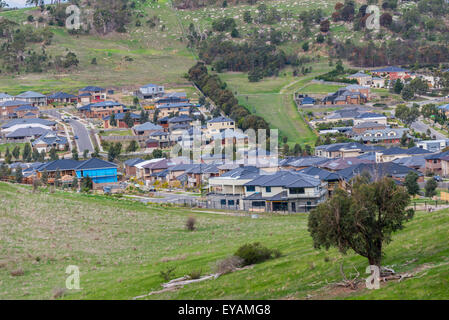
(181, 118)
(121, 116)
(287, 179)
(377, 170)
(61, 95)
(391, 69)
(161, 164)
(174, 105)
(342, 163)
(92, 89)
(95, 163)
(396, 150)
(26, 108)
(12, 103)
(370, 115)
(247, 172)
(150, 85)
(27, 132)
(30, 94)
(323, 174)
(133, 162)
(220, 119)
(28, 121)
(147, 126)
(5, 96)
(301, 161)
(50, 138)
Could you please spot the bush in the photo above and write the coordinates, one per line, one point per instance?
(228, 265)
(255, 253)
(190, 223)
(195, 274)
(167, 274)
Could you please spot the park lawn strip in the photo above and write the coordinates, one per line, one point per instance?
(121, 247)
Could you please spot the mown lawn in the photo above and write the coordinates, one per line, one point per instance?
(121, 246)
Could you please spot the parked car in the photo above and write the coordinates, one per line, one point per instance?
(76, 137)
(437, 178)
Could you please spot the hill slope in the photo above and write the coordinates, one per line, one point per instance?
(121, 246)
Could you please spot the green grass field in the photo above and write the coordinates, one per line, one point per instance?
(272, 98)
(121, 246)
(11, 146)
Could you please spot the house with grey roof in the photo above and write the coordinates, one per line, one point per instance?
(150, 91)
(394, 153)
(5, 97)
(36, 99)
(146, 128)
(344, 150)
(50, 140)
(384, 136)
(25, 134)
(284, 191)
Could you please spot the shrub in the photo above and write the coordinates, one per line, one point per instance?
(195, 274)
(228, 265)
(167, 274)
(255, 253)
(190, 223)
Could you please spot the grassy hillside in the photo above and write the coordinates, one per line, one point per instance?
(157, 56)
(121, 246)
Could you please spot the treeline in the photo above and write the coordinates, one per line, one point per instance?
(195, 4)
(215, 89)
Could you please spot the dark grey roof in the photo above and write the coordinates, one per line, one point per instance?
(302, 161)
(288, 179)
(220, 119)
(69, 164)
(323, 174)
(377, 170)
(414, 150)
(133, 162)
(28, 121)
(248, 172)
(27, 132)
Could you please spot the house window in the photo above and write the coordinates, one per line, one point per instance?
(268, 189)
(223, 202)
(258, 203)
(297, 191)
(231, 202)
(250, 188)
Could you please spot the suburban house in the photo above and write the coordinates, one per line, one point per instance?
(433, 145)
(434, 162)
(168, 109)
(344, 150)
(180, 122)
(120, 120)
(220, 124)
(199, 174)
(25, 134)
(230, 137)
(332, 179)
(101, 172)
(370, 117)
(338, 164)
(5, 97)
(34, 98)
(379, 170)
(150, 91)
(15, 124)
(445, 166)
(392, 73)
(444, 109)
(50, 140)
(7, 108)
(26, 111)
(162, 137)
(62, 97)
(344, 115)
(385, 136)
(227, 190)
(172, 97)
(102, 109)
(415, 162)
(362, 79)
(146, 129)
(352, 94)
(284, 191)
(130, 166)
(369, 125)
(145, 169)
(299, 163)
(92, 94)
(394, 153)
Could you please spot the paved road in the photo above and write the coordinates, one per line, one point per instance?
(83, 142)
